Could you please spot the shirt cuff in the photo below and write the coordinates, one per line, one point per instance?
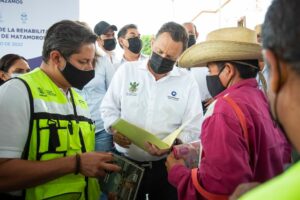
(176, 174)
(108, 124)
(10, 154)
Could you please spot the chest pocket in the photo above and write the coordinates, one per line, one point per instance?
(57, 138)
(133, 94)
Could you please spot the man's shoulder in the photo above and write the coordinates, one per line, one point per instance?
(219, 107)
(13, 84)
(184, 75)
(13, 93)
(134, 65)
(103, 60)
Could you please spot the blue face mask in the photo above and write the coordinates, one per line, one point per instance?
(14, 75)
(160, 65)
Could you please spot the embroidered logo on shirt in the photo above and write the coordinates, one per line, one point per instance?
(173, 96)
(133, 87)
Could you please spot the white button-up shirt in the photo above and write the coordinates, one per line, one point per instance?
(142, 57)
(200, 74)
(94, 91)
(159, 107)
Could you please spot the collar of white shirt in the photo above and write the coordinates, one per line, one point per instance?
(142, 57)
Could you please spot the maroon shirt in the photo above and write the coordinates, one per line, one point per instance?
(226, 161)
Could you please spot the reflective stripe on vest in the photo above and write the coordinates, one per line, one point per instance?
(59, 130)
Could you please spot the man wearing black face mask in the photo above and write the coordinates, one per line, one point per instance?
(47, 135)
(106, 40)
(198, 72)
(192, 32)
(130, 41)
(241, 143)
(154, 95)
(280, 38)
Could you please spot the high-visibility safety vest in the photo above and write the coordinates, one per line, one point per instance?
(59, 127)
(284, 186)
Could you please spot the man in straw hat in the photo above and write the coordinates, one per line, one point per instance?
(241, 143)
(280, 35)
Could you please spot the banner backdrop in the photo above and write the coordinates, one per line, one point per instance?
(23, 24)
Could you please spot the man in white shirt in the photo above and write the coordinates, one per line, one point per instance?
(130, 41)
(263, 76)
(192, 33)
(94, 91)
(106, 40)
(199, 73)
(158, 97)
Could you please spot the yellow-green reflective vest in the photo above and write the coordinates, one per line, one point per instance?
(58, 128)
(283, 187)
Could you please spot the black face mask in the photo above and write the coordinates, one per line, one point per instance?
(192, 40)
(76, 77)
(214, 84)
(1, 81)
(135, 45)
(110, 44)
(160, 65)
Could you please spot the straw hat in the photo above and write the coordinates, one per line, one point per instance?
(226, 44)
(257, 29)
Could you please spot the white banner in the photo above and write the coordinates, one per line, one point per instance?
(23, 24)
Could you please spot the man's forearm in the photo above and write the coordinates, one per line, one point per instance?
(16, 174)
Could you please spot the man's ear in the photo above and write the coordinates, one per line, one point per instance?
(230, 69)
(121, 42)
(152, 41)
(197, 34)
(272, 62)
(100, 42)
(55, 57)
(3, 75)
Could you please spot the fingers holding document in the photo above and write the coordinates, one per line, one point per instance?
(154, 150)
(120, 139)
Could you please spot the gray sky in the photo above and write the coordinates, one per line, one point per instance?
(148, 15)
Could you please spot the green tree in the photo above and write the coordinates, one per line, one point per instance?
(146, 44)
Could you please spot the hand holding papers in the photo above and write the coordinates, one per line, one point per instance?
(190, 153)
(154, 150)
(140, 136)
(120, 139)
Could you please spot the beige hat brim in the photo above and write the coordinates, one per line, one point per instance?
(210, 51)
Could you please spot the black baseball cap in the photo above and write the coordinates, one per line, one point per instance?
(102, 27)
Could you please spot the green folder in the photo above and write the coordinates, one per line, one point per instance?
(139, 136)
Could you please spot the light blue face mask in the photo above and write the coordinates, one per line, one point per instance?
(14, 75)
